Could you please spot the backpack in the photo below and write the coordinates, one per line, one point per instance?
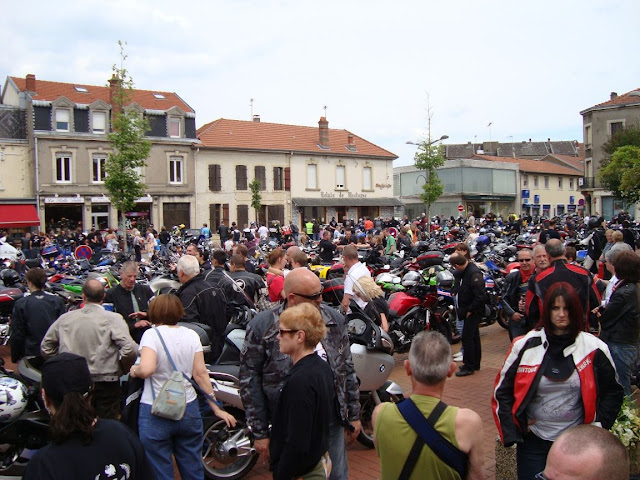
(263, 302)
(171, 401)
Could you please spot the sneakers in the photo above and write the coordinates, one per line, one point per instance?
(457, 357)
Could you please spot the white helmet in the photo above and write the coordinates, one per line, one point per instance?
(410, 279)
(13, 398)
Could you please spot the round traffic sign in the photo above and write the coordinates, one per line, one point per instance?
(461, 208)
(83, 251)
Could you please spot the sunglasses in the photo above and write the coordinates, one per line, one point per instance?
(525, 259)
(287, 330)
(313, 296)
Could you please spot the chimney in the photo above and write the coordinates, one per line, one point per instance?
(31, 82)
(113, 92)
(350, 139)
(614, 95)
(323, 127)
(256, 118)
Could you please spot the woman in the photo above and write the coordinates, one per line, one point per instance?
(111, 240)
(377, 307)
(300, 428)
(275, 276)
(82, 445)
(619, 318)
(553, 378)
(463, 249)
(162, 437)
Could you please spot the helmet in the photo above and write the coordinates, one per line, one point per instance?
(9, 277)
(410, 279)
(482, 241)
(594, 223)
(13, 398)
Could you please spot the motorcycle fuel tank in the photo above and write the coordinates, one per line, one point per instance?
(372, 368)
(401, 302)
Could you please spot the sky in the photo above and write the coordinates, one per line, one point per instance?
(526, 68)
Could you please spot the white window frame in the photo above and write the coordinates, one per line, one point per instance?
(68, 122)
(312, 176)
(367, 178)
(560, 183)
(67, 169)
(588, 136)
(546, 182)
(341, 177)
(174, 121)
(176, 170)
(102, 173)
(95, 130)
(619, 120)
(535, 181)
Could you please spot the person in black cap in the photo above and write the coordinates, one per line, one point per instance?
(82, 445)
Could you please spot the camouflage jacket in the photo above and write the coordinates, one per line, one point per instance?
(263, 368)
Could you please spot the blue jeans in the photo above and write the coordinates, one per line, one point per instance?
(337, 450)
(161, 437)
(624, 358)
(164, 250)
(532, 456)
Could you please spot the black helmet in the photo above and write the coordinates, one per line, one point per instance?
(594, 223)
(9, 277)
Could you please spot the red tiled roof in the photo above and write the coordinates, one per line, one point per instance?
(625, 99)
(248, 135)
(577, 162)
(50, 91)
(533, 166)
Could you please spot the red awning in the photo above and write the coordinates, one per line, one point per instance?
(18, 216)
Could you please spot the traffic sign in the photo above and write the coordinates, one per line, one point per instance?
(461, 208)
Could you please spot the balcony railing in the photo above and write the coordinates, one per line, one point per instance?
(590, 182)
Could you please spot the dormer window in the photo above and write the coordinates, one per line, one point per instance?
(81, 89)
(62, 119)
(99, 122)
(159, 96)
(174, 127)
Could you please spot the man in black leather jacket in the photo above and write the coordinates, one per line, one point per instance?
(471, 302)
(514, 287)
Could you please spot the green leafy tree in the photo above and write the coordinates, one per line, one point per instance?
(256, 197)
(429, 158)
(129, 146)
(621, 175)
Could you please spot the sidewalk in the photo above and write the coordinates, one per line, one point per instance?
(470, 392)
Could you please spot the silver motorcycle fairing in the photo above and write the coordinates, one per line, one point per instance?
(372, 367)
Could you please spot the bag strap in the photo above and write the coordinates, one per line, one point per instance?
(237, 289)
(173, 365)
(427, 434)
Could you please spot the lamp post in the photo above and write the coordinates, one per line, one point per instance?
(424, 146)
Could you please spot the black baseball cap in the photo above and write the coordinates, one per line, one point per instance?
(64, 373)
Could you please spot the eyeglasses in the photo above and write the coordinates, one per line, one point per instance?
(287, 330)
(313, 296)
(525, 259)
(540, 476)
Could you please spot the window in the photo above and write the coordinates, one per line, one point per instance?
(367, 183)
(615, 127)
(535, 181)
(560, 187)
(278, 178)
(98, 168)
(243, 216)
(215, 180)
(159, 96)
(340, 180)
(525, 180)
(175, 169)
(312, 181)
(261, 175)
(99, 122)
(174, 127)
(62, 120)
(571, 183)
(241, 177)
(81, 89)
(546, 181)
(587, 136)
(63, 168)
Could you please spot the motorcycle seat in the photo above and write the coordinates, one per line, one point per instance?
(226, 370)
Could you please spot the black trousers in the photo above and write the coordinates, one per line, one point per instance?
(471, 342)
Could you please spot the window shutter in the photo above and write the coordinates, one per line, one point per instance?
(213, 221)
(241, 177)
(225, 213)
(276, 179)
(218, 182)
(243, 216)
(212, 178)
(287, 179)
(260, 173)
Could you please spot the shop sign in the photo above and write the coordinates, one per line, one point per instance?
(64, 200)
(100, 200)
(571, 208)
(145, 199)
(572, 200)
(337, 195)
(526, 193)
(536, 199)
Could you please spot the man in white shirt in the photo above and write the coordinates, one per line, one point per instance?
(263, 231)
(353, 270)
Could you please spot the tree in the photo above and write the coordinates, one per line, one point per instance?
(256, 197)
(621, 175)
(129, 146)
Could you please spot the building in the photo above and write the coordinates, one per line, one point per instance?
(67, 127)
(599, 123)
(304, 173)
(531, 150)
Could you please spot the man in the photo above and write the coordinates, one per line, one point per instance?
(32, 316)
(346, 239)
(102, 338)
(241, 249)
(131, 300)
(291, 251)
(250, 283)
(595, 241)
(429, 365)
(353, 270)
(308, 226)
(201, 255)
(403, 242)
(560, 271)
(540, 258)
(263, 231)
(218, 276)
(223, 232)
(549, 232)
(368, 225)
(299, 260)
(326, 248)
(164, 237)
(628, 235)
(263, 369)
(390, 245)
(203, 301)
(295, 231)
(513, 290)
(587, 452)
(205, 231)
(471, 302)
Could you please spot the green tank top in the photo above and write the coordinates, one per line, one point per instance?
(394, 439)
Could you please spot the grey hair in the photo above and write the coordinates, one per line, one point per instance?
(537, 248)
(188, 264)
(430, 357)
(129, 266)
(554, 248)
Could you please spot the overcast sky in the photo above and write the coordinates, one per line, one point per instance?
(526, 67)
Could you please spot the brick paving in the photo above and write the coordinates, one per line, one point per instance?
(470, 392)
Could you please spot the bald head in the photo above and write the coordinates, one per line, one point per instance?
(93, 291)
(554, 249)
(302, 281)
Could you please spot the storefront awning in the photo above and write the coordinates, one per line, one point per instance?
(347, 202)
(18, 216)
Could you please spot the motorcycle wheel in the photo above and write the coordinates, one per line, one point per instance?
(448, 326)
(502, 320)
(227, 453)
(367, 404)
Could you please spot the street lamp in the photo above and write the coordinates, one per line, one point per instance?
(422, 144)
